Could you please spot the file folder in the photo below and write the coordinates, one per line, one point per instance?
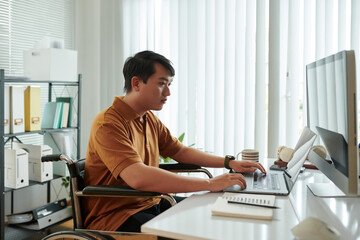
(17, 109)
(16, 168)
(60, 117)
(49, 219)
(38, 171)
(70, 101)
(65, 114)
(7, 110)
(32, 104)
(51, 115)
(37, 213)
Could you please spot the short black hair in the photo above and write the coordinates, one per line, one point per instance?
(142, 66)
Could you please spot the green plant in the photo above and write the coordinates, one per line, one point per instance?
(168, 159)
(66, 183)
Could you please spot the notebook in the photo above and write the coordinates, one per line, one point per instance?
(276, 182)
(221, 207)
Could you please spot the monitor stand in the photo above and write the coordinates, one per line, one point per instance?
(325, 190)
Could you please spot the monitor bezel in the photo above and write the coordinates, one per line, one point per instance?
(349, 185)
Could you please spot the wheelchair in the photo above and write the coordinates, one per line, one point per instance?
(78, 190)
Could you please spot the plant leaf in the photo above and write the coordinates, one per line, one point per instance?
(181, 138)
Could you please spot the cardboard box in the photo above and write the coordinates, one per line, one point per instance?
(16, 168)
(51, 64)
(38, 171)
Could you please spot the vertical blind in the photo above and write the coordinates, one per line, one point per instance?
(240, 63)
(23, 23)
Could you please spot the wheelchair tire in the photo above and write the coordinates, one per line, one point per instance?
(69, 235)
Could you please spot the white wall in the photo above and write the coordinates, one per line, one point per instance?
(87, 42)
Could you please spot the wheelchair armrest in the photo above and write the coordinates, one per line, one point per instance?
(117, 191)
(178, 166)
(182, 167)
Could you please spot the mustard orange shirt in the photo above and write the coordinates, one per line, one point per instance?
(118, 138)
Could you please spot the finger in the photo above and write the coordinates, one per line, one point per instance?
(249, 170)
(261, 168)
(237, 176)
(240, 180)
(257, 165)
(242, 183)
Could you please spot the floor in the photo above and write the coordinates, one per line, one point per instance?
(24, 234)
(13, 232)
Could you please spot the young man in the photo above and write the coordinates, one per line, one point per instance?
(125, 142)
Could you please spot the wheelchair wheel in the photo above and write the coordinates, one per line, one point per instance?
(67, 235)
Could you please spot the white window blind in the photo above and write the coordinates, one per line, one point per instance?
(240, 64)
(23, 23)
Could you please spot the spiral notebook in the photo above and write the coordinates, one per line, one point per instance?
(246, 207)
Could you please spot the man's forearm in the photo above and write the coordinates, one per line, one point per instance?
(194, 156)
(154, 179)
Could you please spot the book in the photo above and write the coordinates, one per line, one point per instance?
(65, 114)
(245, 208)
(70, 101)
(51, 115)
(60, 117)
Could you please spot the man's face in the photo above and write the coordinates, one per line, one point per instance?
(154, 93)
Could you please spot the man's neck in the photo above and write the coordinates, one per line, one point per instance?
(130, 100)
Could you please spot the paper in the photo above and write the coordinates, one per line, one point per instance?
(222, 208)
(300, 152)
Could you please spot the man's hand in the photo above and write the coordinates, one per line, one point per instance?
(226, 180)
(246, 166)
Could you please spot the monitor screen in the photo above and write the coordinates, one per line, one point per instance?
(332, 114)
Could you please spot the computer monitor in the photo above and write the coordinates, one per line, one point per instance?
(332, 114)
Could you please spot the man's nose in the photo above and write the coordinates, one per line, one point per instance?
(167, 91)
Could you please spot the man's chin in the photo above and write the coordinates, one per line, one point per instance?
(157, 108)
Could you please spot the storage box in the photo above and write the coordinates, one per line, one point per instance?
(6, 109)
(48, 220)
(17, 123)
(32, 108)
(51, 64)
(16, 168)
(38, 171)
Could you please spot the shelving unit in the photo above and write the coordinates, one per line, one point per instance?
(4, 138)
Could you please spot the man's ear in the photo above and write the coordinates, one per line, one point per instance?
(135, 83)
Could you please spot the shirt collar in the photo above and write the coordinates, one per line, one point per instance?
(124, 109)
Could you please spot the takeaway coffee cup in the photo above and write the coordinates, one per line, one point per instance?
(249, 154)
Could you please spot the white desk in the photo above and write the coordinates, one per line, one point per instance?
(192, 219)
(343, 213)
